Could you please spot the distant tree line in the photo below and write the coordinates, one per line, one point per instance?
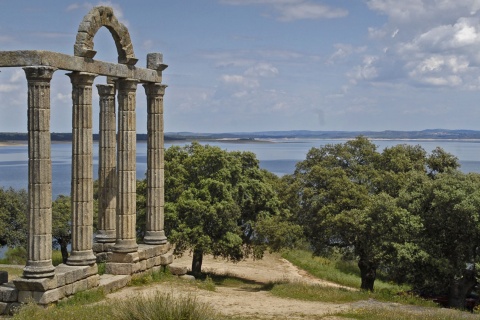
(411, 215)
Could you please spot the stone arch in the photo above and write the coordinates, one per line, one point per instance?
(103, 17)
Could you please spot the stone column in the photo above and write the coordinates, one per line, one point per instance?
(82, 170)
(126, 167)
(39, 214)
(155, 165)
(107, 166)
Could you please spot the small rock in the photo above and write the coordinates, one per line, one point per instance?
(177, 270)
(187, 277)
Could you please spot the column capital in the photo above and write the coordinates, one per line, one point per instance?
(127, 84)
(82, 78)
(154, 89)
(106, 89)
(40, 73)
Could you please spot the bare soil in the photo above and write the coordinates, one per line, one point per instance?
(247, 301)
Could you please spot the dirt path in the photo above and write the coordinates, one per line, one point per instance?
(248, 302)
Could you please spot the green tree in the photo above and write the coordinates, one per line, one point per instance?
(344, 196)
(13, 217)
(61, 224)
(444, 260)
(219, 203)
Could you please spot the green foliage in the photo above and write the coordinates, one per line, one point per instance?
(344, 196)
(13, 217)
(17, 255)
(61, 224)
(448, 207)
(219, 203)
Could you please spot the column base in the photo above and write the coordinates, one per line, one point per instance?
(106, 236)
(125, 246)
(81, 258)
(39, 269)
(155, 237)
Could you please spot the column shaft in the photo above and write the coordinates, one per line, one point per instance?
(154, 233)
(39, 215)
(107, 166)
(82, 170)
(126, 167)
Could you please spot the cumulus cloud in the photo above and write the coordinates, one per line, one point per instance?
(291, 10)
(433, 42)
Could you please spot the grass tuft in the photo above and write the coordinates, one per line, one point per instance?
(165, 307)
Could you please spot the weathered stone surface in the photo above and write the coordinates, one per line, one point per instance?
(119, 268)
(41, 284)
(49, 296)
(166, 258)
(24, 58)
(130, 257)
(110, 282)
(25, 296)
(3, 277)
(8, 294)
(177, 270)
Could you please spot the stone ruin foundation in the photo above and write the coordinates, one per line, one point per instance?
(115, 241)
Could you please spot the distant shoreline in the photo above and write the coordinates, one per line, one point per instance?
(12, 143)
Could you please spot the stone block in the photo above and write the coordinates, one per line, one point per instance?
(131, 257)
(150, 263)
(8, 294)
(157, 260)
(166, 259)
(177, 270)
(93, 281)
(49, 296)
(150, 252)
(42, 284)
(3, 308)
(90, 270)
(136, 267)
(3, 277)
(109, 282)
(25, 296)
(162, 249)
(80, 285)
(142, 265)
(68, 289)
(119, 268)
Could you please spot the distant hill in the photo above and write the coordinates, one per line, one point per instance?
(424, 134)
(439, 134)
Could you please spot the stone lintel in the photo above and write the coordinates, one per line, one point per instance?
(25, 58)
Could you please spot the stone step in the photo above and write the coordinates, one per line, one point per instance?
(110, 282)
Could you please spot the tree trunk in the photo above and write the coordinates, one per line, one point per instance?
(64, 250)
(197, 261)
(368, 273)
(459, 289)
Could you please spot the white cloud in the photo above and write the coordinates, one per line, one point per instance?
(431, 42)
(291, 10)
(236, 79)
(262, 70)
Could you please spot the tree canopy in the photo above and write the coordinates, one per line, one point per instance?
(221, 203)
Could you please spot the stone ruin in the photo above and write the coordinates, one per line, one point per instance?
(115, 241)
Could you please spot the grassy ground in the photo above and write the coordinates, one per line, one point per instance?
(87, 305)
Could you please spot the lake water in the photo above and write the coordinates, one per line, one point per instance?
(278, 156)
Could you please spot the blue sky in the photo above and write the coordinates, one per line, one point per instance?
(256, 65)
